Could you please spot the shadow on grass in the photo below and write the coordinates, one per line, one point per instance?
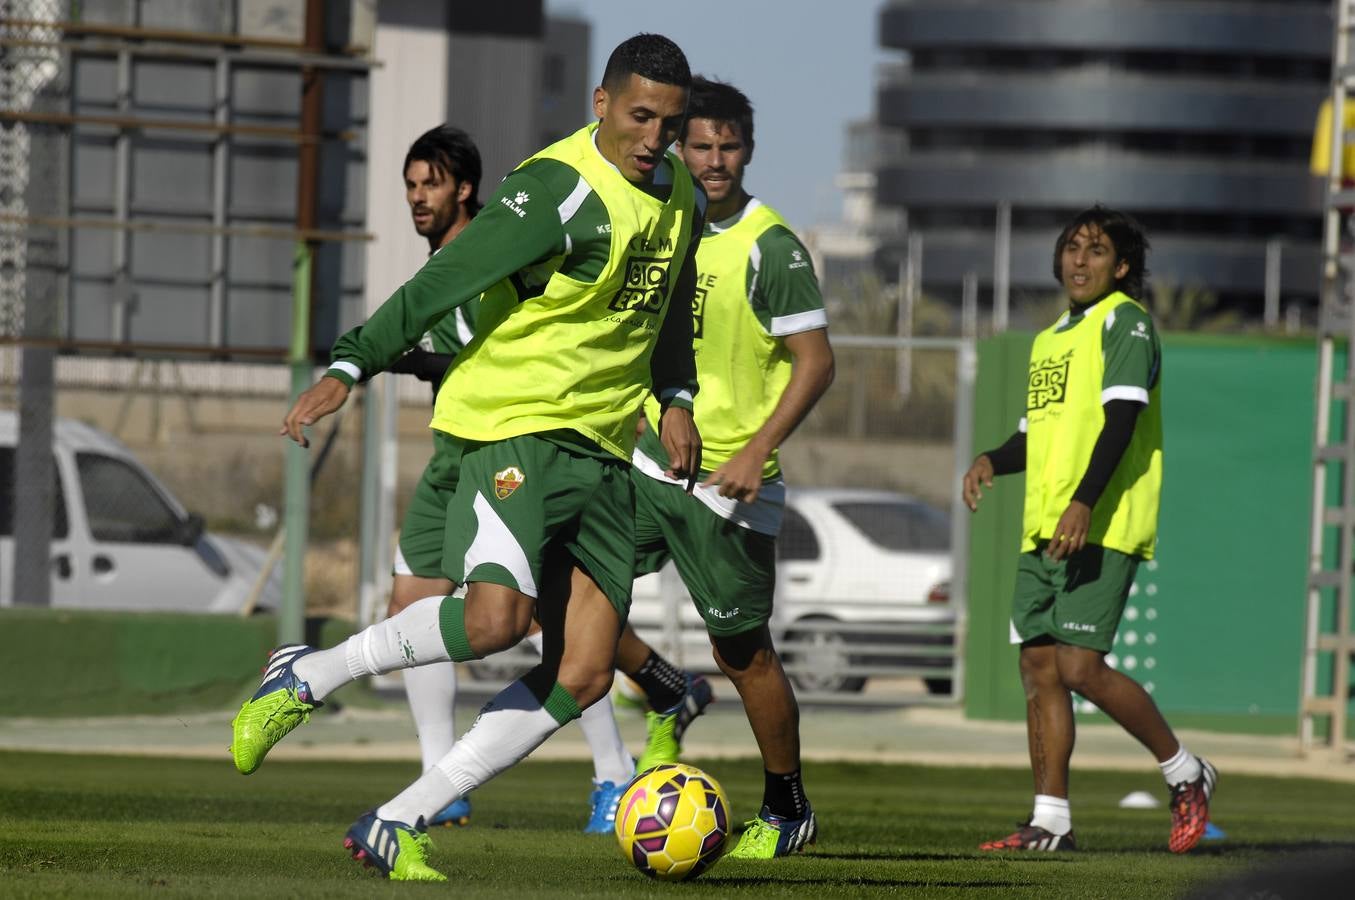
(1325, 872)
(958, 856)
(762, 881)
(1228, 847)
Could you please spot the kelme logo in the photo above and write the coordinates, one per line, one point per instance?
(515, 205)
(507, 481)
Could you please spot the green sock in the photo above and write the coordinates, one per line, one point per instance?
(452, 621)
(561, 705)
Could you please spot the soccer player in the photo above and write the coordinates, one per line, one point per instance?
(763, 360)
(596, 234)
(1091, 445)
(442, 173)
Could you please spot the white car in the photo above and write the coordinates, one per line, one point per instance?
(863, 590)
(121, 541)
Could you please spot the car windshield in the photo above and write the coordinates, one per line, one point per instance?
(898, 525)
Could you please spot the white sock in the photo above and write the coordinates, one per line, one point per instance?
(1052, 814)
(509, 727)
(1183, 767)
(411, 637)
(432, 702)
(611, 760)
(430, 792)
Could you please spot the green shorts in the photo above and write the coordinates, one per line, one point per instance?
(729, 570)
(1076, 601)
(520, 498)
(423, 530)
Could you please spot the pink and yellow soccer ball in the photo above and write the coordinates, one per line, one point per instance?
(673, 822)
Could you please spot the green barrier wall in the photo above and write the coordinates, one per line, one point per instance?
(59, 663)
(1215, 625)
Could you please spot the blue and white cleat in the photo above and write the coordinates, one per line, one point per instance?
(455, 813)
(281, 703)
(605, 798)
(396, 850)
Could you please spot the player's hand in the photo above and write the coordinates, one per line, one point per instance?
(741, 477)
(316, 402)
(678, 434)
(980, 473)
(1070, 535)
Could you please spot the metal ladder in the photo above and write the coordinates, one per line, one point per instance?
(1328, 641)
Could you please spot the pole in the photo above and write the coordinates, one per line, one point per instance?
(966, 364)
(369, 556)
(1274, 248)
(296, 469)
(1002, 267)
(910, 284)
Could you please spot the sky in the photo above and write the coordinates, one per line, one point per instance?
(807, 73)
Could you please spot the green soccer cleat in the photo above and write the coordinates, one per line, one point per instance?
(769, 836)
(396, 850)
(281, 703)
(666, 729)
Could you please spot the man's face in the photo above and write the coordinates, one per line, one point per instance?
(637, 123)
(716, 154)
(1089, 265)
(433, 197)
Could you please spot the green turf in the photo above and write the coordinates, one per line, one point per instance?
(85, 826)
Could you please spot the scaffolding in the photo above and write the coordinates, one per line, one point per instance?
(1329, 644)
(147, 106)
(67, 45)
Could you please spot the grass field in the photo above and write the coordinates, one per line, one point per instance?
(86, 826)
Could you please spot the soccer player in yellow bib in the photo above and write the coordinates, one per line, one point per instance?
(442, 173)
(596, 235)
(763, 360)
(1090, 444)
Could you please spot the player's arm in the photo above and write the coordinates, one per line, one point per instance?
(424, 365)
(1008, 459)
(497, 243)
(1131, 369)
(790, 306)
(672, 367)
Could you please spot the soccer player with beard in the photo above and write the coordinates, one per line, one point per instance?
(763, 361)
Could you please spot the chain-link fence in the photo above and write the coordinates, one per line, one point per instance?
(181, 461)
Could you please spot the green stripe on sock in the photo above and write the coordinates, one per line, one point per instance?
(452, 622)
(561, 705)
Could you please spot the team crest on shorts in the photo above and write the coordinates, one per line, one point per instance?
(507, 481)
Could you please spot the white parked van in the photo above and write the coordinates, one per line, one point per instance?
(120, 540)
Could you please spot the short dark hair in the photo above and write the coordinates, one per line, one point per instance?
(1128, 236)
(720, 102)
(651, 56)
(451, 152)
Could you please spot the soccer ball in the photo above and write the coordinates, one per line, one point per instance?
(672, 822)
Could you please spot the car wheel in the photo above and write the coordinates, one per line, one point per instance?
(939, 685)
(819, 663)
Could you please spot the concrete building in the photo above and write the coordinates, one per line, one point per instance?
(1195, 115)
